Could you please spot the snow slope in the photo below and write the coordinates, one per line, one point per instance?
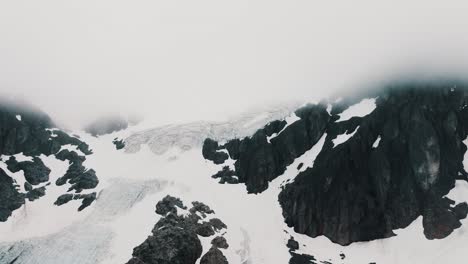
(168, 160)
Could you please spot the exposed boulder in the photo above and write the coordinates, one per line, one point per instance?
(214, 256)
(219, 242)
(79, 177)
(119, 143)
(292, 244)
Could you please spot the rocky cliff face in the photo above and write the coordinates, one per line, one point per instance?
(31, 133)
(264, 156)
(397, 163)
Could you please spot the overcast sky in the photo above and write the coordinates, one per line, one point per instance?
(185, 60)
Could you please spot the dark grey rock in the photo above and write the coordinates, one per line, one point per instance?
(79, 177)
(35, 172)
(214, 256)
(174, 238)
(293, 244)
(211, 152)
(219, 242)
(217, 224)
(10, 198)
(170, 245)
(36, 193)
(302, 259)
(259, 161)
(27, 186)
(63, 199)
(119, 143)
(168, 205)
(87, 199)
(202, 208)
(226, 175)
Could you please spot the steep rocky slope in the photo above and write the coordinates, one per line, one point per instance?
(376, 173)
(292, 185)
(29, 134)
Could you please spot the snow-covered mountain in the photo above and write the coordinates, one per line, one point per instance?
(374, 178)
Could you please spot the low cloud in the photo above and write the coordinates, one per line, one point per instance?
(187, 60)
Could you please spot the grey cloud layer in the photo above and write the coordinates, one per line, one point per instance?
(180, 60)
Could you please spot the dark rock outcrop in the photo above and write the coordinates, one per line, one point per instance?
(214, 256)
(226, 175)
(292, 244)
(119, 143)
(10, 198)
(174, 238)
(357, 192)
(398, 164)
(79, 177)
(219, 242)
(260, 160)
(27, 130)
(211, 152)
(35, 172)
(87, 199)
(36, 193)
(302, 259)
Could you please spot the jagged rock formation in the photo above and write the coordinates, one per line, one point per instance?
(30, 132)
(106, 125)
(35, 171)
(119, 143)
(214, 256)
(398, 163)
(87, 199)
(265, 155)
(10, 198)
(297, 258)
(371, 190)
(174, 238)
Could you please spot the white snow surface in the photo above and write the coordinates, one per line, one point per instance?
(340, 139)
(184, 137)
(363, 108)
(132, 182)
(376, 142)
